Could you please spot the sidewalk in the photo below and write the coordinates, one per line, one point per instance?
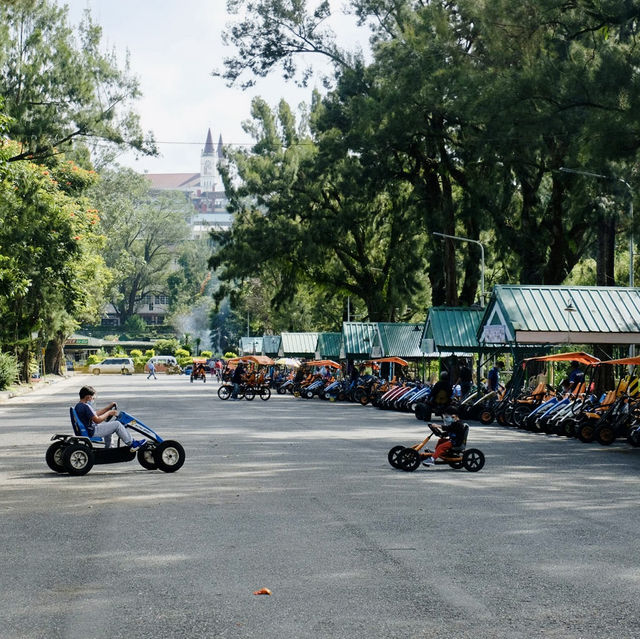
(25, 389)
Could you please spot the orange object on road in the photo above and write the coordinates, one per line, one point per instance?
(262, 591)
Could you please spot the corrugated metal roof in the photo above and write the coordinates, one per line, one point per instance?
(250, 345)
(454, 329)
(359, 339)
(329, 345)
(564, 310)
(271, 344)
(400, 339)
(298, 344)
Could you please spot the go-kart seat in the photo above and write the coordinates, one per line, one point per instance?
(79, 428)
(460, 448)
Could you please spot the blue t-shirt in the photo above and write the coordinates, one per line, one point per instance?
(494, 378)
(85, 413)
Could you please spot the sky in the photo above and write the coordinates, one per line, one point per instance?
(174, 46)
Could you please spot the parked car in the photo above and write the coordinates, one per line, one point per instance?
(161, 362)
(123, 365)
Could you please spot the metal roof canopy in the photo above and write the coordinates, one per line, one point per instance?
(298, 344)
(360, 340)
(453, 329)
(400, 339)
(561, 315)
(328, 345)
(271, 344)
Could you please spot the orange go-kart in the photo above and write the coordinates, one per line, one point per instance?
(409, 458)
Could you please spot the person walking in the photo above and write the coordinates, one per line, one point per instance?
(152, 370)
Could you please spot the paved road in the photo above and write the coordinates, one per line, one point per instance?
(297, 496)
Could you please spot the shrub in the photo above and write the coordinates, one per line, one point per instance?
(149, 353)
(184, 361)
(135, 353)
(230, 355)
(167, 346)
(8, 370)
(206, 354)
(182, 353)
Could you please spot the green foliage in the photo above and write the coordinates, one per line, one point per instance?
(206, 354)
(135, 352)
(230, 355)
(58, 85)
(149, 353)
(184, 361)
(135, 326)
(146, 232)
(166, 346)
(95, 359)
(182, 353)
(8, 370)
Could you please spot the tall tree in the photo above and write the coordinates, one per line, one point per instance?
(59, 86)
(144, 232)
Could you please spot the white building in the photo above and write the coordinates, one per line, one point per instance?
(205, 189)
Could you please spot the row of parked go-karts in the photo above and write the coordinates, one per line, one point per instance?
(595, 408)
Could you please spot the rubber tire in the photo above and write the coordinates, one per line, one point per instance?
(224, 392)
(473, 460)
(392, 456)
(169, 456)
(281, 391)
(605, 435)
(634, 438)
(409, 459)
(308, 394)
(78, 459)
(249, 394)
(585, 433)
(457, 465)
(146, 458)
(96, 371)
(486, 417)
(265, 393)
(519, 415)
(54, 457)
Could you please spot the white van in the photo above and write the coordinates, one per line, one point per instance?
(162, 362)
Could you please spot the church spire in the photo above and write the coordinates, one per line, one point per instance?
(208, 145)
(220, 151)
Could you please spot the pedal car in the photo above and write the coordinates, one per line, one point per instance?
(408, 458)
(76, 454)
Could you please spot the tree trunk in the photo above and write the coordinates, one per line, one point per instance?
(54, 356)
(605, 275)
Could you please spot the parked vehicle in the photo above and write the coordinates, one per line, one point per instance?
(122, 365)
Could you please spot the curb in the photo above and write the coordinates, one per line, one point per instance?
(6, 395)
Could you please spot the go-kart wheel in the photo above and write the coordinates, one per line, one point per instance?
(606, 435)
(169, 456)
(473, 460)
(224, 392)
(409, 459)
(393, 454)
(249, 394)
(265, 393)
(146, 458)
(308, 394)
(585, 433)
(77, 459)
(457, 465)
(281, 390)
(363, 400)
(54, 457)
(486, 416)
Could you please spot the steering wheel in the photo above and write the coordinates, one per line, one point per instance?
(115, 407)
(435, 430)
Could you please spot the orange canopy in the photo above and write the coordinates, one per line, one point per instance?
(324, 362)
(199, 360)
(392, 360)
(578, 356)
(625, 361)
(262, 360)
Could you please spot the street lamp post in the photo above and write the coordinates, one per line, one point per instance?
(467, 239)
(600, 176)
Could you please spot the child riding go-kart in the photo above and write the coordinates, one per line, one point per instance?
(456, 455)
(76, 454)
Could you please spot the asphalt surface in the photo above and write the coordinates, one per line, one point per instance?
(297, 496)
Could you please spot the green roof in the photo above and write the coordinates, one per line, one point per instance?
(329, 345)
(271, 344)
(359, 339)
(562, 314)
(298, 344)
(453, 329)
(400, 340)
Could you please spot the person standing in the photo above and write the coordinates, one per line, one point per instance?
(493, 378)
(465, 379)
(152, 370)
(236, 380)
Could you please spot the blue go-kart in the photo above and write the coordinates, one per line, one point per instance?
(76, 454)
